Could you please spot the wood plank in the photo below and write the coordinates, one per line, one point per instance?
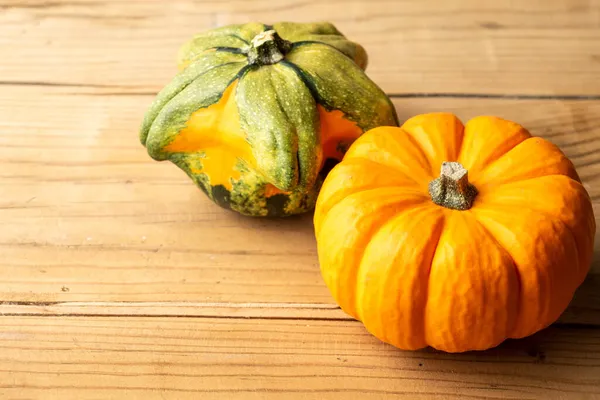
(88, 216)
(536, 47)
(153, 358)
(584, 309)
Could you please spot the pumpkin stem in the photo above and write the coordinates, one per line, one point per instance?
(452, 189)
(267, 48)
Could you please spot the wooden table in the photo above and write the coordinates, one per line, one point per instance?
(119, 279)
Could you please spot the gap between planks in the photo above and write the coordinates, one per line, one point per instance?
(174, 309)
(116, 90)
(301, 311)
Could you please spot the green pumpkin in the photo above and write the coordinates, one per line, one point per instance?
(258, 114)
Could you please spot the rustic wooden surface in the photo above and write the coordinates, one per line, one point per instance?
(119, 279)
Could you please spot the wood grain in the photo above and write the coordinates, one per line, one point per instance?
(584, 309)
(157, 358)
(536, 47)
(119, 279)
(88, 216)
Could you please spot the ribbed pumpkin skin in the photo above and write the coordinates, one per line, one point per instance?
(419, 274)
(256, 133)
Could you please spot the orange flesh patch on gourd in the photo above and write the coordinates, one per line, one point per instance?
(336, 130)
(271, 190)
(216, 131)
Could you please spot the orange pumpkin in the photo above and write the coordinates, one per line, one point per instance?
(490, 248)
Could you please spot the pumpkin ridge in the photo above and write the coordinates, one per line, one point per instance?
(548, 176)
(413, 142)
(329, 198)
(418, 146)
(515, 267)
(415, 192)
(419, 149)
(497, 154)
(546, 312)
(399, 201)
(440, 135)
(435, 236)
(440, 231)
(535, 174)
(470, 289)
(369, 188)
(360, 158)
(489, 188)
(551, 217)
(363, 160)
(459, 146)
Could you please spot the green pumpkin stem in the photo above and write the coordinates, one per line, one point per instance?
(267, 48)
(452, 189)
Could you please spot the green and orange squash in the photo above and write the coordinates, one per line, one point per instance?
(258, 113)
